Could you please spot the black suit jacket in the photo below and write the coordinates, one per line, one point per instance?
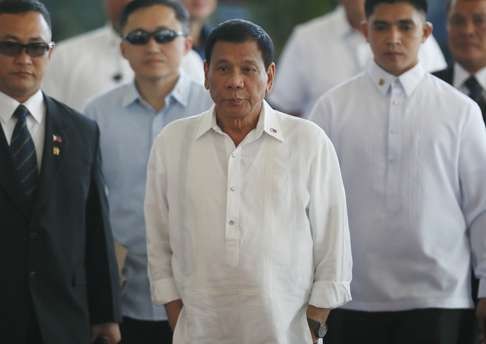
(56, 257)
(446, 74)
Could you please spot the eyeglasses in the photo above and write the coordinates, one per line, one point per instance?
(140, 37)
(34, 49)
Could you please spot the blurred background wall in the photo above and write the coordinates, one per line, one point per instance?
(278, 17)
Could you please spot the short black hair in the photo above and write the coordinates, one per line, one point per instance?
(23, 6)
(180, 11)
(370, 5)
(240, 31)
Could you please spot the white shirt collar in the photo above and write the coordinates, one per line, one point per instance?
(35, 104)
(267, 122)
(461, 75)
(383, 80)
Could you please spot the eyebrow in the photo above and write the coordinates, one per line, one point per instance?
(400, 21)
(32, 39)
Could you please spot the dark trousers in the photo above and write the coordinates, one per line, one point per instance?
(147, 332)
(469, 330)
(33, 335)
(421, 326)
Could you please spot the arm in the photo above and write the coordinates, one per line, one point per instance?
(101, 269)
(319, 315)
(173, 310)
(330, 232)
(472, 169)
(159, 249)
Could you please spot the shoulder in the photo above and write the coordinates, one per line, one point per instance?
(109, 100)
(198, 93)
(183, 129)
(318, 26)
(357, 85)
(70, 118)
(301, 133)
(445, 74)
(443, 91)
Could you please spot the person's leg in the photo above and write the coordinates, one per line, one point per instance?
(140, 331)
(351, 327)
(428, 326)
(469, 328)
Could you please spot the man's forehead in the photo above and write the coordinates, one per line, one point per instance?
(150, 16)
(396, 12)
(467, 5)
(25, 26)
(246, 51)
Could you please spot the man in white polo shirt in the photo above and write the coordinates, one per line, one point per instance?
(413, 155)
(326, 51)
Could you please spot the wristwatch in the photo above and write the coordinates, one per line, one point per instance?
(317, 328)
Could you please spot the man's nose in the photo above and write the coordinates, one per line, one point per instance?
(236, 80)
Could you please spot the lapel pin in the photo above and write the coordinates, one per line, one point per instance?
(381, 82)
(273, 130)
(56, 151)
(56, 139)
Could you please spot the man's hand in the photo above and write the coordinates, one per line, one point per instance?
(173, 309)
(318, 314)
(481, 315)
(110, 332)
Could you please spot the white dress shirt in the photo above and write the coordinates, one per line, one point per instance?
(246, 236)
(90, 64)
(413, 156)
(325, 52)
(36, 123)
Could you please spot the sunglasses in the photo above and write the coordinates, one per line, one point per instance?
(34, 49)
(140, 37)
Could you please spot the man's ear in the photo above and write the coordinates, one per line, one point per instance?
(364, 28)
(427, 30)
(122, 49)
(206, 70)
(187, 44)
(270, 77)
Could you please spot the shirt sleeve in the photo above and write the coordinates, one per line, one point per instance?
(289, 91)
(330, 231)
(159, 252)
(472, 170)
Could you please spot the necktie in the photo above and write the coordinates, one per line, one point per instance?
(476, 93)
(23, 153)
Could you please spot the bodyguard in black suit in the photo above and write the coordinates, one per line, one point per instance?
(466, 26)
(59, 283)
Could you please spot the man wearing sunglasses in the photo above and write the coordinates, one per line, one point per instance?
(90, 64)
(154, 43)
(56, 252)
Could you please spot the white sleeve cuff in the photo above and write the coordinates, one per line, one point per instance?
(330, 294)
(164, 291)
